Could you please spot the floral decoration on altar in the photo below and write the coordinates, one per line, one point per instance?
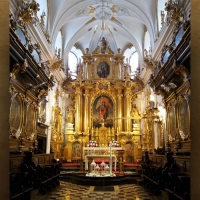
(92, 143)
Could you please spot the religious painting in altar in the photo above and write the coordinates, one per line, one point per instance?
(184, 119)
(15, 118)
(172, 123)
(30, 122)
(103, 112)
(128, 154)
(76, 150)
(103, 69)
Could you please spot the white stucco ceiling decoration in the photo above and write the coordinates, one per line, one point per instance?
(81, 23)
(103, 12)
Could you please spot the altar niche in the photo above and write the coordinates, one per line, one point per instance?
(103, 112)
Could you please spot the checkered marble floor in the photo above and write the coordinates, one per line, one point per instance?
(70, 191)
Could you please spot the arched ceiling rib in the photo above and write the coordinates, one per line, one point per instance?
(120, 30)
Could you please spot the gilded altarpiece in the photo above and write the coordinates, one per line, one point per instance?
(103, 107)
(178, 120)
(101, 116)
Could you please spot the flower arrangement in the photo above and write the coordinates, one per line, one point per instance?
(92, 143)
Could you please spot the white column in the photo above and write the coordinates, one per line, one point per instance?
(110, 158)
(86, 71)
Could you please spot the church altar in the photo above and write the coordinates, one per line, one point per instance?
(89, 158)
(100, 152)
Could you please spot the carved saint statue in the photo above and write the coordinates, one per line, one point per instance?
(103, 45)
(135, 114)
(79, 72)
(70, 115)
(57, 94)
(127, 70)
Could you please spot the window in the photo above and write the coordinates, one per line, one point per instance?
(58, 44)
(147, 41)
(72, 64)
(134, 62)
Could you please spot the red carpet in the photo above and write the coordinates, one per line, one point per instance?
(70, 164)
(99, 162)
(132, 165)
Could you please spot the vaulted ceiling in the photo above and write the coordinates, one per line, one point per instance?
(121, 22)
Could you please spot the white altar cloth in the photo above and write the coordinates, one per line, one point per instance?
(101, 148)
(99, 156)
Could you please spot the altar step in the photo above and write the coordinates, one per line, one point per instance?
(82, 179)
(75, 166)
(133, 167)
(140, 181)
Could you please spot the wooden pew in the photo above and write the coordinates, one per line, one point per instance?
(172, 177)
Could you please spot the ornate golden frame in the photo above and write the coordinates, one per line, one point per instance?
(160, 134)
(100, 65)
(42, 110)
(15, 117)
(105, 93)
(183, 117)
(30, 134)
(171, 133)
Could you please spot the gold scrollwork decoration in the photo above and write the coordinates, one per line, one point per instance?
(18, 68)
(171, 122)
(57, 65)
(181, 70)
(107, 93)
(16, 116)
(184, 117)
(30, 123)
(29, 10)
(102, 85)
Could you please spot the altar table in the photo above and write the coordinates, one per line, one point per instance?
(92, 157)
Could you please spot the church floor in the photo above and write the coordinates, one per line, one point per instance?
(70, 191)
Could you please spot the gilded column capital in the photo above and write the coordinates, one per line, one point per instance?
(128, 93)
(18, 68)
(119, 96)
(78, 91)
(12, 90)
(25, 99)
(86, 94)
